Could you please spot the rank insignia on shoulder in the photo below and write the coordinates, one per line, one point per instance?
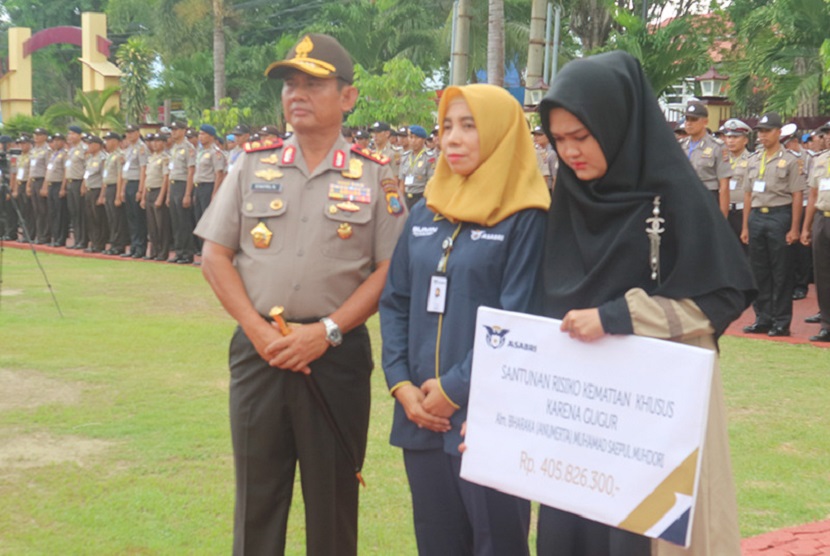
(366, 153)
(288, 155)
(355, 170)
(393, 203)
(256, 146)
(269, 174)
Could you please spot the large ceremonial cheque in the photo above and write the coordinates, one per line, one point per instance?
(611, 430)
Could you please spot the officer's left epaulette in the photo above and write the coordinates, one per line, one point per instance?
(256, 146)
(366, 153)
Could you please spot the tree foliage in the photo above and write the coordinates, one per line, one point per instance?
(783, 68)
(667, 53)
(396, 96)
(90, 112)
(135, 61)
(226, 117)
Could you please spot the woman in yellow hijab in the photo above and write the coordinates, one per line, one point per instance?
(476, 239)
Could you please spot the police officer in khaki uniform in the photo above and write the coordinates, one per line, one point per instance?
(134, 174)
(75, 166)
(155, 192)
(112, 184)
(381, 134)
(773, 188)
(17, 185)
(35, 189)
(736, 135)
(706, 154)
(416, 168)
(94, 199)
(309, 225)
(210, 171)
(56, 200)
(816, 230)
(180, 194)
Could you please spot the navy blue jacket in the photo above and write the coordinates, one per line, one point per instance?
(495, 267)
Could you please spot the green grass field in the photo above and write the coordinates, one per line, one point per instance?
(114, 436)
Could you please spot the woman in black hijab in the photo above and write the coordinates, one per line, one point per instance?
(636, 245)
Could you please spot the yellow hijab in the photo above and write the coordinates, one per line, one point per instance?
(507, 180)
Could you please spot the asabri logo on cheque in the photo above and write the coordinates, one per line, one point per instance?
(497, 338)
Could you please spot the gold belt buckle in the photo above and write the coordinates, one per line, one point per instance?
(764, 210)
(410, 195)
(827, 213)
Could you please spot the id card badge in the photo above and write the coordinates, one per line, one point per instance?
(437, 297)
(126, 167)
(20, 173)
(824, 184)
(409, 180)
(67, 164)
(759, 186)
(733, 185)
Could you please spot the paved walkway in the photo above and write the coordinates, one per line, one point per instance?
(812, 539)
(801, 331)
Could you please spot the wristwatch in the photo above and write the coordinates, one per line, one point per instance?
(333, 335)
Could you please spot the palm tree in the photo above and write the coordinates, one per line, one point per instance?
(218, 51)
(91, 112)
(495, 43)
(784, 62)
(135, 61)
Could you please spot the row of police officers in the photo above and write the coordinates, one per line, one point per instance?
(777, 205)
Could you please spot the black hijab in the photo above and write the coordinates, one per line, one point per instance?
(596, 245)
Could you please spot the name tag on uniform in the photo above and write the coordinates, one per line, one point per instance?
(409, 180)
(733, 185)
(50, 166)
(437, 297)
(823, 184)
(266, 187)
(759, 186)
(20, 173)
(33, 162)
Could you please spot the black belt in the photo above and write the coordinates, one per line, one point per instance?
(295, 321)
(767, 210)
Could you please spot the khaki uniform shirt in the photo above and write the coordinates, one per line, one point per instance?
(38, 160)
(135, 156)
(820, 180)
(94, 173)
(112, 167)
(328, 229)
(182, 157)
(75, 162)
(55, 170)
(416, 169)
(394, 158)
(707, 159)
(772, 182)
(22, 171)
(739, 166)
(157, 168)
(209, 161)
